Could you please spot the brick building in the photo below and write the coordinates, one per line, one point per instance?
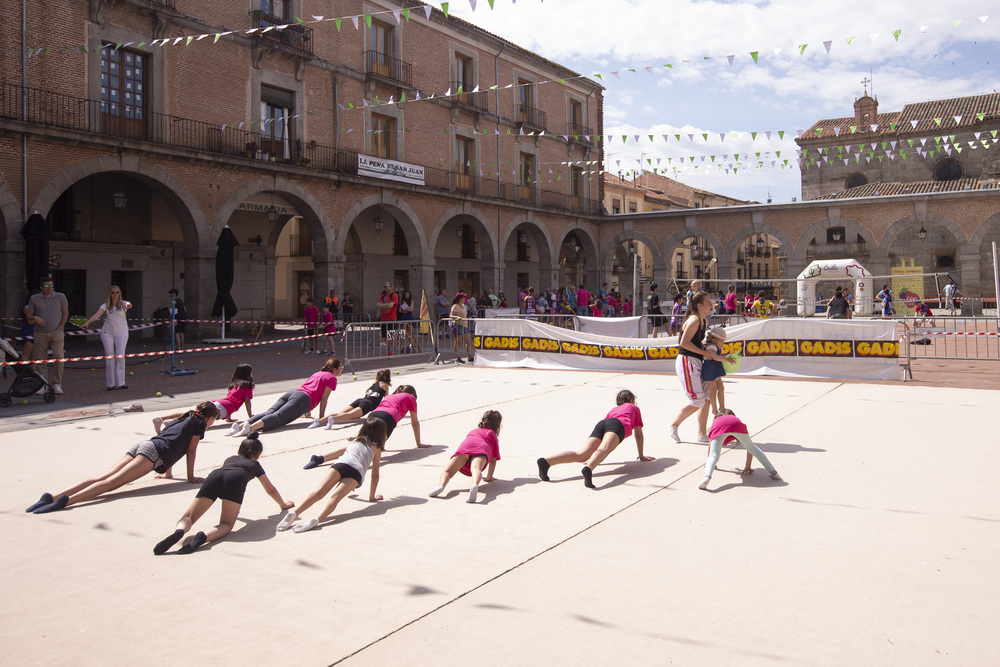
(296, 136)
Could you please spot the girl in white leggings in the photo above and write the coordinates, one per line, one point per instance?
(727, 426)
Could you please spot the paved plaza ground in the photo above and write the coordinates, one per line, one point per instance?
(877, 548)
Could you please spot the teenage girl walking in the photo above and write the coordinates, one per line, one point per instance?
(240, 393)
(725, 427)
(389, 411)
(346, 474)
(230, 484)
(294, 404)
(179, 439)
(688, 364)
(480, 449)
(616, 426)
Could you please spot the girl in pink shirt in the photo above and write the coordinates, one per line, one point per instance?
(480, 449)
(619, 424)
(240, 393)
(296, 403)
(392, 408)
(329, 328)
(726, 427)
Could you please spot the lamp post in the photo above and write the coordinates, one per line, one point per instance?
(635, 274)
(377, 222)
(120, 199)
(922, 233)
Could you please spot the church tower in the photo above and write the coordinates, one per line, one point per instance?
(865, 110)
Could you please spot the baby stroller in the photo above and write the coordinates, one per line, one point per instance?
(26, 382)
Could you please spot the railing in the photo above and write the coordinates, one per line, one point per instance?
(293, 35)
(837, 250)
(378, 340)
(529, 116)
(299, 245)
(579, 132)
(479, 100)
(936, 337)
(385, 66)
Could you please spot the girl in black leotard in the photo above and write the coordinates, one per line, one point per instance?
(692, 353)
(362, 406)
(230, 484)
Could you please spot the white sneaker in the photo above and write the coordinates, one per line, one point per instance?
(308, 525)
(674, 434)
(704, 439)
(233, 430)
(316, 423)
(436, 492)
(244, 431)
(704, 483)
(330, 421)
(473, 492)
(287, 521)
(57, 388)
(775, 476)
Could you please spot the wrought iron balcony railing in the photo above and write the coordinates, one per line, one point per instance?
(276, 30)
(386, 67)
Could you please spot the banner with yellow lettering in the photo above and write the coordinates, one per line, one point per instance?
(808, 347)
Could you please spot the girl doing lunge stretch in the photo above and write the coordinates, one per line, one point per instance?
(362, 406)
(726, 427)
(479, 450)
(294, 404)
(240, 393)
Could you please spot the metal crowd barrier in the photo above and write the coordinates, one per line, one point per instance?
(361, 341)
(945, 337)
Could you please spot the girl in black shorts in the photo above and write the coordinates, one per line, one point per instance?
(345, 475)
(229, 483)
(361, 407)
(617, 425)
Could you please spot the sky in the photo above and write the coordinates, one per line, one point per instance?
(942, 50)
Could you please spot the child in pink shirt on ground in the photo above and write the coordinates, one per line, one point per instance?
(619, 424)
(726, 427)
(240, 393)
(480, 449)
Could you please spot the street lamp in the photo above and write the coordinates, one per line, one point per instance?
(760, 244)
(458, 232)
(377, 221)
(120, 199)
(522, 237)
(632, 248)
(272, 214)
(922, 234)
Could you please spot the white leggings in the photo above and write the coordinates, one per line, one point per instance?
(114, 369)
(715, 450)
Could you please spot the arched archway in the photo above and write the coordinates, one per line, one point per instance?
(577, 258)
(11, 251)
(692, 254)
(931, 244)
(464, 246)
(527, 256)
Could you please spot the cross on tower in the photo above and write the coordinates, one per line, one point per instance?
(865, 81)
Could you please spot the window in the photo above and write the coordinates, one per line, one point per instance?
(524, 101)
(463, 78)
(948, 169)
(575, 118)
(523, 249)
(526, 190)
(381, 61)
(123, 92)
(399, 246)
(463, 164)
(276, 8)
(468, 242)
(276, 107)
(855, 181)
(576, 187)
(616, 206)
(631, 207)
(383, 136)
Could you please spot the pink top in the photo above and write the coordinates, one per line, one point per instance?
(731, 301)
(726, 424)
(582, 297)
(615, 303)
(235, 399)
(480, 441)
(398, 405)
(629, 415)
(597, 309)
(315, 385)
(329, 322)
(627, 308)
(311, 315)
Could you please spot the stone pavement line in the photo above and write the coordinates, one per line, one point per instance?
(568, 538)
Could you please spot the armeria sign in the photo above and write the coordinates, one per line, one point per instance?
(390, 170)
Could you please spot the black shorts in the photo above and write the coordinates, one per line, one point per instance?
(657, 320)
(366, 405)
(226, 484)
(390, 423)
(609, 425)
(384, 327)
(347, 472)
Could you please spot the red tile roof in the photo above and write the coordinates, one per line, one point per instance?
(884, 189)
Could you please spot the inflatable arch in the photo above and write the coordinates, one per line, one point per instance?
(834, 269)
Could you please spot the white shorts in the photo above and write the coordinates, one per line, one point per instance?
(223, 413)
(689, 373)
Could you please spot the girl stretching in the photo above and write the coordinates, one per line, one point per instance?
(180, 438)
(728, 427)
(362, 406)
(346, 474)
(240, 393)
(390, 411)
(229, 483)
(617, 425)
(480, 449)
(294, 404)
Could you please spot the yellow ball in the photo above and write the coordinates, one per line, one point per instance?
(355, 377)
(131, 372)
(158, 394)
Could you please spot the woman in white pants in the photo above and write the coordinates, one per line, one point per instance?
(114, 336)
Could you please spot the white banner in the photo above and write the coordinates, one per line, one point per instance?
(390, 170)
(866, 349)
(620, 327)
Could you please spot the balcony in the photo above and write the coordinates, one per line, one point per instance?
(291, 35)
(479, 100)
(836, 250)
(384, 66)
(580, 133)
(529, 116)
